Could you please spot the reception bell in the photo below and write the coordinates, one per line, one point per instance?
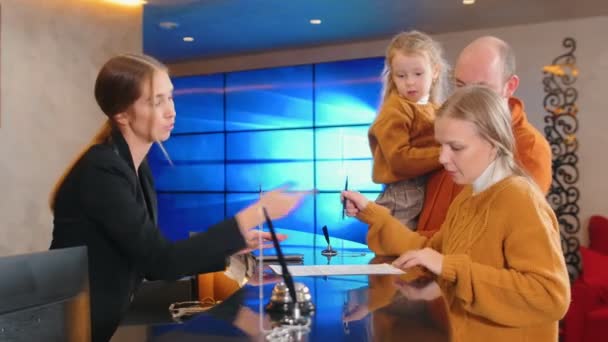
(281, 306)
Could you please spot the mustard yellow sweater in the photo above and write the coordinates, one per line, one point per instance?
(504, 275)
(402, 141)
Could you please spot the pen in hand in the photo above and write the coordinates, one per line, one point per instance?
(344, 203)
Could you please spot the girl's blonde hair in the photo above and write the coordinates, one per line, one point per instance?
(417, 43)
(118, 85)
(490, 114)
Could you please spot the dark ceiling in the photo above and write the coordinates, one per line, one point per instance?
(233, 27)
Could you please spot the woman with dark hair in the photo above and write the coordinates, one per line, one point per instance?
(107, 202)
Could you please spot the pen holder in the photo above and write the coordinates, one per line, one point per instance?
(329, 252)
(280, 304)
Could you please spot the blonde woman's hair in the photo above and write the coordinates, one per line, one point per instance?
(118, 85)
(490, 114)
(417, 43)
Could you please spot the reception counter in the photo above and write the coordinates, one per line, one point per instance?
(347, 308)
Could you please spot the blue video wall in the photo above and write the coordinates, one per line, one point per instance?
(238, 132)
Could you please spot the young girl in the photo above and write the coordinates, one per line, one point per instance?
(401, 138)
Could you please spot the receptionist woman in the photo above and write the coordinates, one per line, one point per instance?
(107, 202)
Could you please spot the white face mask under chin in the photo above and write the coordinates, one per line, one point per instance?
(494, 173)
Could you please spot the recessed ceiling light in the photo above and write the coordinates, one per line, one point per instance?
(315, 21)
(128, 2)
(468, 2)
(188, 39)
(168, 25)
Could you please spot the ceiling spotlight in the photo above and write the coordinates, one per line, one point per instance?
(188, 39)
(315, 21)
(468, 2)
(168, 25)
(127, 2)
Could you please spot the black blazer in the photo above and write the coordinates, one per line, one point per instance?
(105, 205)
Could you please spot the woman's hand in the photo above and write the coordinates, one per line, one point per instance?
(267, 278)
(256, 238)
(278, 203)
(427, 257)
(355, 202)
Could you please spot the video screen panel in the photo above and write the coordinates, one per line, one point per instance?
(181, 214)
(198, 163)
(269, 98)
(199, 103)
(347, 92)
(304, 126)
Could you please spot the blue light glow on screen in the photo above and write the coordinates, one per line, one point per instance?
(347, 92)
(198, 163)
(342, 143)
(199, 103)
(288, 145)
(331, 175)
(196, 148)
(209, 177)
(269, 98)
(305, 126)
(250, 176)
(180, 214)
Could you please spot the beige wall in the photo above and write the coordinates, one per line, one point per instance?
(51, 51)
(535, 46)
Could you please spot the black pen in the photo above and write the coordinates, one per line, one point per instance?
(326, 234)
(329, 252)
(344, 203)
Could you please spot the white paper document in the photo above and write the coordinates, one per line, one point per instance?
(330, 270)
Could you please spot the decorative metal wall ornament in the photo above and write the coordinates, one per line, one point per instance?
(561, 124)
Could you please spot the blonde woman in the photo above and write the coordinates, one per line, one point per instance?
(497, 256)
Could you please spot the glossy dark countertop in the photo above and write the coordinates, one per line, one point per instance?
(347, 308)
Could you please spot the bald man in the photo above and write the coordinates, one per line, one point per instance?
(491, 62)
